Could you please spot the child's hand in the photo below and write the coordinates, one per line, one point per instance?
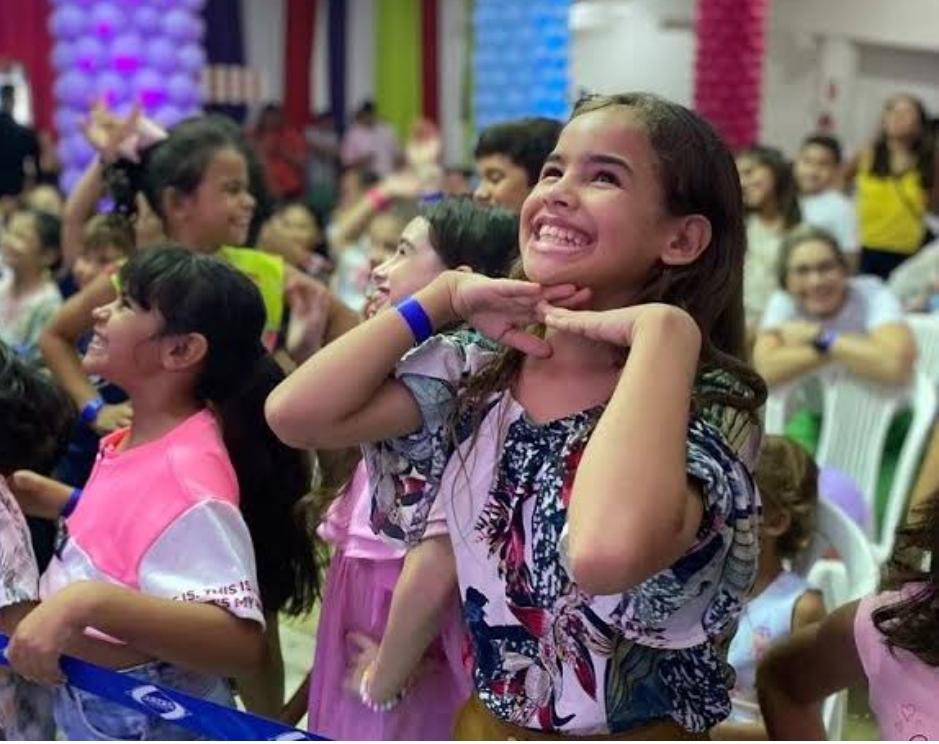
(39, 496)
(42, 636)
(502, 308)
(113, 136)
(621, 326)
(309, 302)
(364, 655)
(113, 417)
(799, 332)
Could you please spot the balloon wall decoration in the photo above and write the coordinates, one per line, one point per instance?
(122, 52)
(521, 59)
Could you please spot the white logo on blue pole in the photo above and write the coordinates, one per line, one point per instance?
(159, 703)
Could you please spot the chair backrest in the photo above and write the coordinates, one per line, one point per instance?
(856, 417)
(926, 330)
(852, 575)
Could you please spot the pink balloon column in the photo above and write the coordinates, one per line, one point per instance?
(121, 52)
(729, 67)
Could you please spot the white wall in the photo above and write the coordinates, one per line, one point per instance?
(649, 44)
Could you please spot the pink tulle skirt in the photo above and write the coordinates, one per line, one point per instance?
(358, 599)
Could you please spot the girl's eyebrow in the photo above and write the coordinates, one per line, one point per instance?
(596, 158)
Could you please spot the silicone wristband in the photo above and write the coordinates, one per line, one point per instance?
(824, 341)
(90, 411)
(378, 198)
(416, 318)
(431, 197)
(72, 502)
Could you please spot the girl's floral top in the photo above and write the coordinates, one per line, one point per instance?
(548, 655)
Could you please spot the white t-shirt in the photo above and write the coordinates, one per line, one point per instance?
(869, 304)
(833, 211)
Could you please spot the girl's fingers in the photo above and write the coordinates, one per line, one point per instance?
(574, 301)
(526, 343)
(559, 292)
(361, 641)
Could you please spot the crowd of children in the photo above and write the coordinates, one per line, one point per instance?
(521, 425)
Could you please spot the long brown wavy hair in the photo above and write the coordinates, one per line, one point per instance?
(699, 176)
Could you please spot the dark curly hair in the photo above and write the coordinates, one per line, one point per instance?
(787, 479)
(912, 622)
(36, 416)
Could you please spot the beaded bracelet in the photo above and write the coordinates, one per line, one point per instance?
(366, 699)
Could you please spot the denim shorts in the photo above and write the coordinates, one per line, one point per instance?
(83, 716)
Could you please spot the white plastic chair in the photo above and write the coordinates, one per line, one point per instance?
(854, 574)
(855, 419)
(926, 330)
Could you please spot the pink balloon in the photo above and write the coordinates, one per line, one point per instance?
(126, 53)
(107, 20)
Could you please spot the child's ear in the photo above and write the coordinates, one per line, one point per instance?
(690, 238)
(776, 522)
(183, 351)
(173, 203)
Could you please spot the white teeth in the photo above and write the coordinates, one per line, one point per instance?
(561, 235)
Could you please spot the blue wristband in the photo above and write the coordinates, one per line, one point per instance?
(431, 197)
(824, 341)
(416, 318)
(72, 502)
(90, 411)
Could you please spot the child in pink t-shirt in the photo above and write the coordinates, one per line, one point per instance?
(889, 641)
(156, 575)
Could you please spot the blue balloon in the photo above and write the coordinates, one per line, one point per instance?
(182, 90)
(107, 20)
(75, 89)
(67, 121)
(149, 89)
(127, 53)
(191, 58)
(79, 151)
(178, 25)
(161, 54)
(168, 115)
(147, 19)
(113, 88)
(63, 55)
(67, 22)
(90, 54)
(69, 179)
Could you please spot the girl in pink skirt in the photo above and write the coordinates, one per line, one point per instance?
(414, 690)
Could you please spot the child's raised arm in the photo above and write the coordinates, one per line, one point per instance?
(57, 344)
(797, 675)
(633, 509)
(342, 396)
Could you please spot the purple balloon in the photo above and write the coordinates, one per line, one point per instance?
(161, 54)
(842, 491)
(126, 53)
(182, 90)
(63, 55)
(75, 89)
(66, 22)
(168, 115)
(107, 20)
(192, 5)
(181, 26)
(79, 151)
(148, 87)
(147, 19)
(112, 88)
(67, 121)
(69, 179)
(90, 54)
(191, 58)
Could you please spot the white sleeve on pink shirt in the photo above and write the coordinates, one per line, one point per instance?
(217, 564)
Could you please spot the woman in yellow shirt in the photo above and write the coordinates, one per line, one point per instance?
(895, 185)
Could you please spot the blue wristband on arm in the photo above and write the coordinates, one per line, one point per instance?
(90, 411)
(416, 318)
(72, 502)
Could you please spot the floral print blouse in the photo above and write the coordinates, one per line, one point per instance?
(548, 655)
